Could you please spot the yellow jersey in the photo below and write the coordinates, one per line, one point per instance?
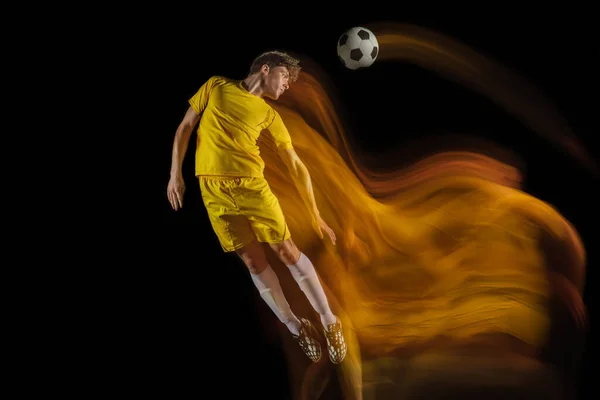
(232, 119)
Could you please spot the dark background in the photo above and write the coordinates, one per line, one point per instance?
(196, 320)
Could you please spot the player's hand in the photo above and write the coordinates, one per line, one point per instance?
(321, 226)
(175, 191)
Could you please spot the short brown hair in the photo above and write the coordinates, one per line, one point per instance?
(277, 58)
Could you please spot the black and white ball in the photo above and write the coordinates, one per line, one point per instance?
(357, 48)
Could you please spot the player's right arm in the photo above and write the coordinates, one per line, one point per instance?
(176, 186)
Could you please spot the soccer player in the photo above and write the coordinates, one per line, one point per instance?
(242, 209)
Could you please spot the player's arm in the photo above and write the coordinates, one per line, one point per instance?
(301, 178)
(303, 183)
(184, 131)
(182, 139)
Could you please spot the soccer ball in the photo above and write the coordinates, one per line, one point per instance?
(357, 48)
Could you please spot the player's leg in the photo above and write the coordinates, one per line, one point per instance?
(267, 283)
(261, 207)
(235, 235)
(304, 273)
(266, 217)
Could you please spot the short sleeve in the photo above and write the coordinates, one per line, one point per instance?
(199, 100)
(279, 132)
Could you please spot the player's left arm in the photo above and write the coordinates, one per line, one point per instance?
(303, 182)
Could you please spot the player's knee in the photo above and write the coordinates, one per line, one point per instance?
(254, 259)
(254, 265)
(287, 252)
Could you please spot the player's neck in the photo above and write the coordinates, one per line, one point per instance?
(253, 84)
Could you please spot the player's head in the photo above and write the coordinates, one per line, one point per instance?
(278, 70)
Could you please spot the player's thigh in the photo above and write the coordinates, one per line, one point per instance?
(231, 227)
(253, 195)
(233, 231)
(258, 203)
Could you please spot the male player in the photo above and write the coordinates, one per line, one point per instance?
(243, 211)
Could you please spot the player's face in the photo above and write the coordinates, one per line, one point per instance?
(277, 82)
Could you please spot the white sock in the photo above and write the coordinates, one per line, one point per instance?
(268, 286)
(304, 273)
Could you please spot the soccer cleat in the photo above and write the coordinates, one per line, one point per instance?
(336, 345)
(307, 339)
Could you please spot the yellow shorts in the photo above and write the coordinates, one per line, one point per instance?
(242, 210)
